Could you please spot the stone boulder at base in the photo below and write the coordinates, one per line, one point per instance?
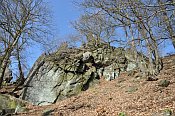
(69, 71)
(9, 104)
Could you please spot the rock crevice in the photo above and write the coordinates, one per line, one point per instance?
(70, 71)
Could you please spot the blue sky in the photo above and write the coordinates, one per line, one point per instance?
(63, 12)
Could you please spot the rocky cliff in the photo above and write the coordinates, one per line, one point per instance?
(69, 71)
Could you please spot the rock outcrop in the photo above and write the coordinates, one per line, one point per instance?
(10, 105)
(69, 71)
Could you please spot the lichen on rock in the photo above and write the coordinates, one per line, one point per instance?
(9, 104)
(69, 71)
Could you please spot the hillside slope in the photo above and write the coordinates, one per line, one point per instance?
(130, 95)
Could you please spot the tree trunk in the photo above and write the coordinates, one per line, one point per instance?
(155, 53)
(21, 74)
(3, 67)
(151, 69)
(6, 57)
(21, 79)
(167, 22)
(173, 41)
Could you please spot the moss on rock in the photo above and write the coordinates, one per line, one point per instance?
(8, 102)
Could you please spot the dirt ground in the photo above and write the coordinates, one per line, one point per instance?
(124, 95)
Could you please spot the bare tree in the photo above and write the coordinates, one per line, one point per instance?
(138, 19)
(166, 15)
(95, 27)
(21, 21)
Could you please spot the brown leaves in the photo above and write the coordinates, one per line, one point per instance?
(107, 99)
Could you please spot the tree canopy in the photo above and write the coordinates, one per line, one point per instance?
(22, 21)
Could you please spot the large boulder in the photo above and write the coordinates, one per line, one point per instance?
(52, 79)
(9, 104)
(69, 71)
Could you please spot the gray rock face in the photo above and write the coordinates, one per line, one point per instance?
(87, 56)
(42, 85)
(131, 66)
(111, 72)
(9, 104)
(49, 80)
(68, 72)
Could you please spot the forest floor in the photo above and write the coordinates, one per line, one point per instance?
(125, 95)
